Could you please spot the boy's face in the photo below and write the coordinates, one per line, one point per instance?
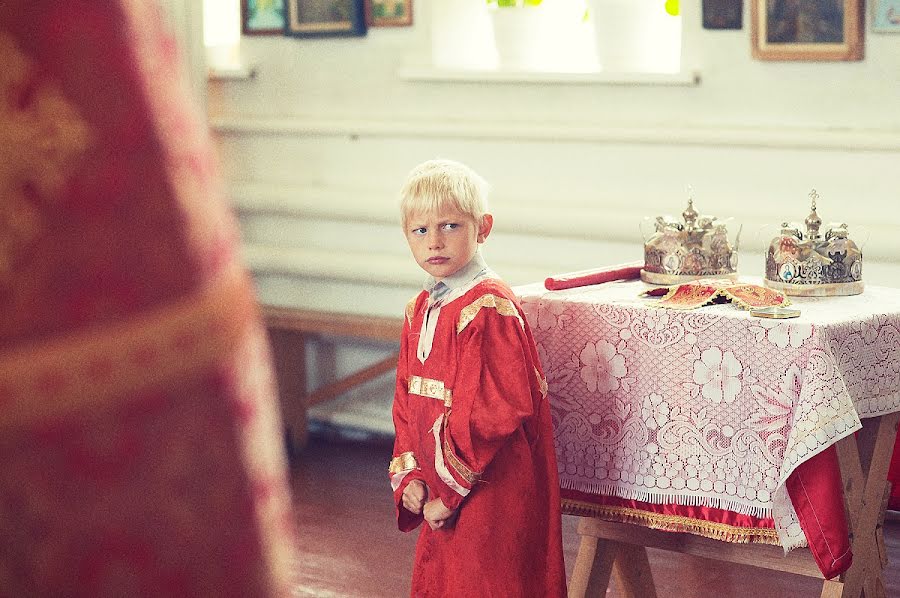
(445, 241)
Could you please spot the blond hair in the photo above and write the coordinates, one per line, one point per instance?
(435, 184)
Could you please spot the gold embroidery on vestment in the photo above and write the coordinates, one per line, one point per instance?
(504, 307)
(672, 523)
(40, 145)
(433, 389)
(403, 462)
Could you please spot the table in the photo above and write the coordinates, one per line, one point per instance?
(715, 409)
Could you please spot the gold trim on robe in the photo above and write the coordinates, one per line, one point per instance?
(672, 523)
(432, 389)
(471, 477)
(105, 365)
(40, 145)
(504, 307)
(403, 462)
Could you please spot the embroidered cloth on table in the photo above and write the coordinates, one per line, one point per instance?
(712, 407)
(432, 389)
(698, 293)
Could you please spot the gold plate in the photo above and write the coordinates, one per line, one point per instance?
(775, 312)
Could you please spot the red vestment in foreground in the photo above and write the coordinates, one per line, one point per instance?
(140, 439)
(473, 423)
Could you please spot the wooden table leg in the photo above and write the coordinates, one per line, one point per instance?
(864, 460)
(289, 355)
(595, 561)
(632, 571)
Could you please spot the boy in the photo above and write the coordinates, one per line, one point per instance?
(473, 455)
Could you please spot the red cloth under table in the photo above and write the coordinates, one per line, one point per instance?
(894, 477)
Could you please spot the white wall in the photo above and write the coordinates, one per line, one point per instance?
(317, 144)
(186, 23)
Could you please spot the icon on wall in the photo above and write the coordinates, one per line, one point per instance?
(886, 16)
(825, 30)
(723, 14)
(325, 18)
(262, 17)
(388, 13)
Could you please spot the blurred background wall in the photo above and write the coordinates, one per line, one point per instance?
(316, 143)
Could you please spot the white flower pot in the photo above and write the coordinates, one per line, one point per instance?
(519, 34)
(636, 36)
(548, 37)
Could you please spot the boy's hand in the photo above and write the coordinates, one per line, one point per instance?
(437, 515)
(414, 496)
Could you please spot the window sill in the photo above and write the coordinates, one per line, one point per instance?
(231, 73)
(428, 73)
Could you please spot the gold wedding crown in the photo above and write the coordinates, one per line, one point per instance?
(814, 263)
(697, 246)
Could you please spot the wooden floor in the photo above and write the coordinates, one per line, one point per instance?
(350, 546)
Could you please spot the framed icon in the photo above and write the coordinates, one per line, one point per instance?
(723, 14)
(807, 29)
(323, 18)
(388, 13)
(262, 17)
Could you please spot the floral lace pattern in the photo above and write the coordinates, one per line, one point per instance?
(711, 407)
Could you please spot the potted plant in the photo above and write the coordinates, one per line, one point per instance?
(534, 35)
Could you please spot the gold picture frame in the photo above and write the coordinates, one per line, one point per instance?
(389, 13)
(325, 18)
(825, 30)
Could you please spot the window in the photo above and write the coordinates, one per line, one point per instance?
(557, 36)
(619, 37)
(222, 33)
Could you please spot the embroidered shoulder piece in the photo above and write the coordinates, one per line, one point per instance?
(403, 462)
(504, 307)
(411, 310)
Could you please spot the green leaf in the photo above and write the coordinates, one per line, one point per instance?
(514, 3)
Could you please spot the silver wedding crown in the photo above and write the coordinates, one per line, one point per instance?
(813, 263)
(694, 247)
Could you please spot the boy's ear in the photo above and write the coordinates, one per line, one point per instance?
(487, 223)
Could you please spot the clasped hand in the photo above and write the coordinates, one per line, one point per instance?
(415, 500)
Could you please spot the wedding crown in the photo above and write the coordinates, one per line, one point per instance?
(696, 247)
(808, 263)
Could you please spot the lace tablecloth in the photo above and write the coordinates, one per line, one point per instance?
(711, 407)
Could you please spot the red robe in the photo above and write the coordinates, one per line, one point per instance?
(140, 439)
(473, 423)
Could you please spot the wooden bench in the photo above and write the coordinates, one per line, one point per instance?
(289, 329)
